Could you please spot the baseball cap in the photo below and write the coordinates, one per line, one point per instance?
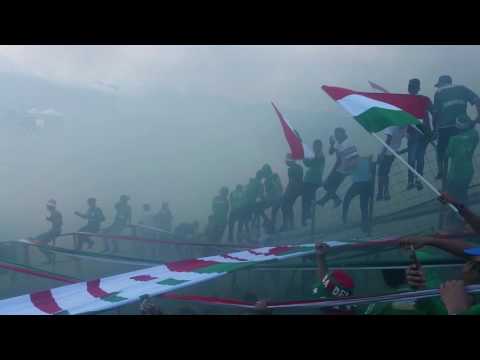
(444, 80)
(339, 283)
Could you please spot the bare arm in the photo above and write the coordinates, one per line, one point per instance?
(455, 247)
(83, 216)
(322, 267)
(471, 218)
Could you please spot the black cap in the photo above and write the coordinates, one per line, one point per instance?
(444, 80)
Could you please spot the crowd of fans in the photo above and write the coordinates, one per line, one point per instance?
(257, 204)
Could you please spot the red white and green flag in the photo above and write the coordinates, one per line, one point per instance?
(377, 111)
(298, 149)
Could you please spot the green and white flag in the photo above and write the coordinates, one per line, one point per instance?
(377, 111)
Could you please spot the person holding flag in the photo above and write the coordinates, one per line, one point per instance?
(395, 135)
(418, 137)
(378, 111)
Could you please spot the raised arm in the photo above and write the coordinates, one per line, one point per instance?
(83, 216)
(321, 250)
(471, 218)
(455, 247)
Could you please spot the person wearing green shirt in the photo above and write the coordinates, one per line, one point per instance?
(237, 200)
(395, 279)
(292, 192)
(273, 197)
(94, 217)
(313, 180)
(256, 199)
(123, 218)
(449, 105)
(454, 299)
(460, 173)
(220, 209)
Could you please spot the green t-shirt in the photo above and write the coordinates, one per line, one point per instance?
(220, 209)
(237, 199)
(450, 103)
(315, 169)
(473, 310)
(395, 308)
(460, 151)
(273, 188)
(254, 190)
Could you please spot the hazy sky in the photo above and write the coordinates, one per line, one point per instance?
(178, 122)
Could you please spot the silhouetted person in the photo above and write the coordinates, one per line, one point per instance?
(220, 209)
(313, 180)
(94, 217)
(395, 135)
(164, 218)
(418, 137)
(293, 190)
(56, 221)
(237, 202)
(123, 218)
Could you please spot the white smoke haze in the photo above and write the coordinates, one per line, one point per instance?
(176, 123)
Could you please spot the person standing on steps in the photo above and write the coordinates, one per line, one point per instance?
(94, 217)
(220, 209)
(395, 135)
(449, 105)
(123, 218)
(347, 155)
(56, 221)
(237, 198)
(313, 180)
(418, 137)
(293, 190)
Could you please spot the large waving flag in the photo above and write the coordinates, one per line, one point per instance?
(298, 149)
(114, 291)
(117, 290)
(377, 111)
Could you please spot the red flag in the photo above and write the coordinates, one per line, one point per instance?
(298, 150)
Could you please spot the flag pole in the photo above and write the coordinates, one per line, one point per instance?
(402, 160)
(380, 88)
